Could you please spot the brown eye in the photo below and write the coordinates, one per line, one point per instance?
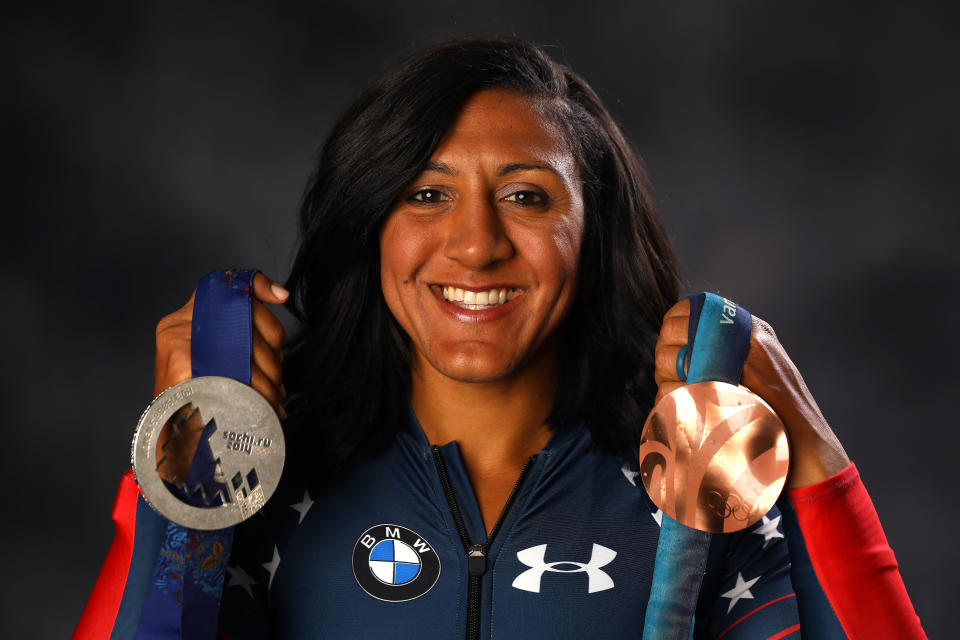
(527, 198)
(427, 196)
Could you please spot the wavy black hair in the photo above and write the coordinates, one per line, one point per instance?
(347, 368)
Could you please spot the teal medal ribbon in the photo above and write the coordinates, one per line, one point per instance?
(719, 337)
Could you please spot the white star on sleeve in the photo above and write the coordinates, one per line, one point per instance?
(271, 566)
(242, 579)
(303, 506)
(769, 529)
(629, 473)
(739, 591)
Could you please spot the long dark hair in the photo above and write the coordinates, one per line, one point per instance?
(347, 369)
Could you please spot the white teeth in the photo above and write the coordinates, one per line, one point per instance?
(476, 300)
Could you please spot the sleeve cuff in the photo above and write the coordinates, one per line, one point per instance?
(825, 488)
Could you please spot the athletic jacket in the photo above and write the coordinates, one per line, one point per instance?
(396, 547)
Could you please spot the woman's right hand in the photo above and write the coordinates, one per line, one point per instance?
(172, 364)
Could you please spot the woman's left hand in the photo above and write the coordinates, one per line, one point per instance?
(815, 452)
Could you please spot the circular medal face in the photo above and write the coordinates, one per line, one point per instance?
(713, 456)
(208, 452)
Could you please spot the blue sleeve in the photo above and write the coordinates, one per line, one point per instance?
(244, 605)
(818, 616)
(749, 594)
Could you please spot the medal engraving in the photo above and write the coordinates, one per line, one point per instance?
(208, 453)
(713, 456)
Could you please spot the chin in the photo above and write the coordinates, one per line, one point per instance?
(476, 373)
(472, 368)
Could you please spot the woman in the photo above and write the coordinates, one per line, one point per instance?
(485, 302)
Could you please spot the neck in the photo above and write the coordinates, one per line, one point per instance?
(497, 424)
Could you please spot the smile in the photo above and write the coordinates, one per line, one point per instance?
(477, 300)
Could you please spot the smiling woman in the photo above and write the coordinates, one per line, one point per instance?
(479, 165)
(486, 302)
(498, 210)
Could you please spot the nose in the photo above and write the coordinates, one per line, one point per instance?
(477, 237)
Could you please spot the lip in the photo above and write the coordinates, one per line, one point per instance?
(476, 315)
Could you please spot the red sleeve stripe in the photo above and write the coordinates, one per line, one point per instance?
(786, 632)
(245, 610)
(852, 560)
(763, 606)
(100, 612)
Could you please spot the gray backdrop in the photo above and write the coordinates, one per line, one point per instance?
(803, 158)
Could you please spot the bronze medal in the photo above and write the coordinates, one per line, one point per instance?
(713, 456)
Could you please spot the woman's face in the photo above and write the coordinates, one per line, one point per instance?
(479, 257)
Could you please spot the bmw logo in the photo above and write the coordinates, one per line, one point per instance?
(394, 564)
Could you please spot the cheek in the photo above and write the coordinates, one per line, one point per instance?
(562, 251)
(402, 252)
(395, 250)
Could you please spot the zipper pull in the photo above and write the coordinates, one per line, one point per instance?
(476, 560)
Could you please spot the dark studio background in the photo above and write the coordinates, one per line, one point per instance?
(803, 157)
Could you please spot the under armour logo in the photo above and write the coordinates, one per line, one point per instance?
(533, 557)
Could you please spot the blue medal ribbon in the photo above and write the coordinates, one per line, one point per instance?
(183, 599)
(222, 331)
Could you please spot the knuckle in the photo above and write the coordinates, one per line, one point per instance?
(269, 392)
(763, 328)
(162, 327)
(677, 327)
(665, 369)
(178, 361)
(663, 358)
(679, 308)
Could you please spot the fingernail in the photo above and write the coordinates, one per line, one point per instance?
(279, 291)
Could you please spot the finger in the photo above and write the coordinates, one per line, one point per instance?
(266, 290)
(665, 365)
(666, 388)
(171, 366)
(680, 309)
(673, 332)
(267, 325)
(267, 359)
(263, 385)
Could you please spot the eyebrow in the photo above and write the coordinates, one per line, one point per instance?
(524, 166)
(444, 168)
(441, 167)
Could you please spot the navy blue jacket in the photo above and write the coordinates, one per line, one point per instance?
(385, 552)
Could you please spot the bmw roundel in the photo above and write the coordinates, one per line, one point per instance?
(395, 564)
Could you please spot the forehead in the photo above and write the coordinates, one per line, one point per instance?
(506, 122)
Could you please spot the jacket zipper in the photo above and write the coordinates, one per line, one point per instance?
(476, 553)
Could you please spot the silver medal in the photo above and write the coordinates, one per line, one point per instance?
(238, 436)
